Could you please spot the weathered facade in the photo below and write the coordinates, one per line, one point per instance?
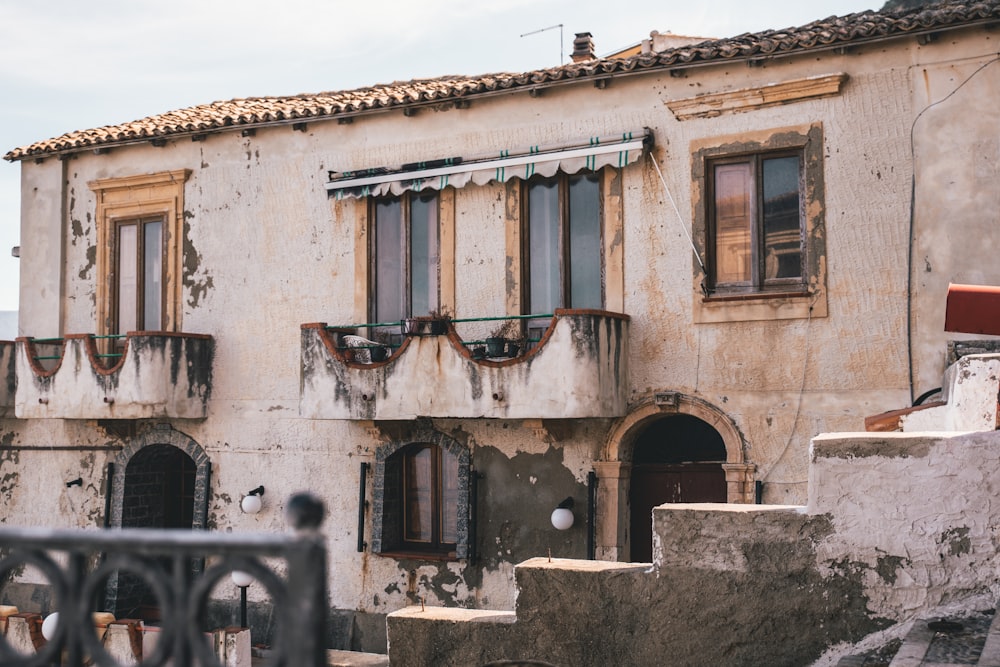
(862, 151)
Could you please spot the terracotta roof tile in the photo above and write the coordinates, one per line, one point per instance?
(822, 34)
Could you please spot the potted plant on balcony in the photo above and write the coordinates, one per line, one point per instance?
(439, 319)
(497, 340)
(381, 351)
(434, 323)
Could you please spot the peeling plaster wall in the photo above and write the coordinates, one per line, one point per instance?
(898, 526)
(265, 251)
(914, 515)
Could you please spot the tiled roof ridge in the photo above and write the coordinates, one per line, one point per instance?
(257, 111)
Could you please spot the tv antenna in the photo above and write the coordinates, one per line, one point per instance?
(551, 27)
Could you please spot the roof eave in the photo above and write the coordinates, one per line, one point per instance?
(581, 77)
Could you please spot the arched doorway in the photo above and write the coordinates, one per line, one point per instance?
(614, 530)
(160, 480)
(158, 493)
(676, 459)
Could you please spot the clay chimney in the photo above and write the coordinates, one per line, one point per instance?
(583, 47)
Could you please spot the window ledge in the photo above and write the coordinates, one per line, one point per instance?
(421, 555)
(758, 306)
(754, 296)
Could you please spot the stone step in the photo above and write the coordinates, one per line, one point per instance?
(990, 657)
(949, 642)
(973, 639)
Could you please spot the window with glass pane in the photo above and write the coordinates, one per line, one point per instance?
(430, 498)
(405, 256)
(563, 243)
(756, 222)
(138, 284)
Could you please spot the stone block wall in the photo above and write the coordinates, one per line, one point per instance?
(896, 526)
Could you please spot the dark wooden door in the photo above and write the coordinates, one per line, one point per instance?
(658, 483)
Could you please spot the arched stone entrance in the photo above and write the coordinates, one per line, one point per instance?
(160, 480)
(615, 470)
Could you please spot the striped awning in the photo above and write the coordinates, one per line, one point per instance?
(590, 154)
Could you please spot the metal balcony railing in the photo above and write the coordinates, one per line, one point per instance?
(161, 558)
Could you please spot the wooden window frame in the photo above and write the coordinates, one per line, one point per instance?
(372, 269)
(134, 197)
(565, 263)
(436, 544)
(387, 506)
(803, 299)
(141, 292)
(758, 283)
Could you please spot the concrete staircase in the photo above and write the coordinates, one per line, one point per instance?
(942, 642)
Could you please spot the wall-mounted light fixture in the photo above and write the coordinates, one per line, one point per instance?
(75, 482)
(251, 502)
(562, 516)
(49, 625)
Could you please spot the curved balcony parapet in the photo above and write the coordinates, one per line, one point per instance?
(7, 377)
(578, 369)
(155, 374)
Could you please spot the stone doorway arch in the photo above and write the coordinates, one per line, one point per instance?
(614, 470)
(160, 480)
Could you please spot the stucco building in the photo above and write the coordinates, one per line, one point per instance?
(710, 253)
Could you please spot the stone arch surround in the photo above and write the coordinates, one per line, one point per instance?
(161, 434)
(464, 456)
(614, 469)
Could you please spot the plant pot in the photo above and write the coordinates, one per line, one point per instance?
(413, 326)
(379, 353)
(495, 346)
(479, 352)
(513, 349)
(437, 327)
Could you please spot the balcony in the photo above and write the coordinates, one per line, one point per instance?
(7, 376)
(147, 375)
(578, 368)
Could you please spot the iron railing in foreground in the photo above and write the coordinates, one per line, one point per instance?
(299, 597)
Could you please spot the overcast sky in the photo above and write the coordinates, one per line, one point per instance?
(75, 64)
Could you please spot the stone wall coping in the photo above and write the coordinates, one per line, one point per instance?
(575, 565)
(888, 445)
(455, 614)
(730, 508)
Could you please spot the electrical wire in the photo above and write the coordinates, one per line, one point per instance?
(913, 205)
(680, 219)
(798, 406)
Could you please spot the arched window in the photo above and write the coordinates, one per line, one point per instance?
(422, 498)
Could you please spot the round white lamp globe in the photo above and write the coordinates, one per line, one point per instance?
(49, 626)
(562, 518)
(241, 579)
(251, 504)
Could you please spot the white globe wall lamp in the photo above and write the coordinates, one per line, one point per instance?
(562, 516)
(252, 503)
